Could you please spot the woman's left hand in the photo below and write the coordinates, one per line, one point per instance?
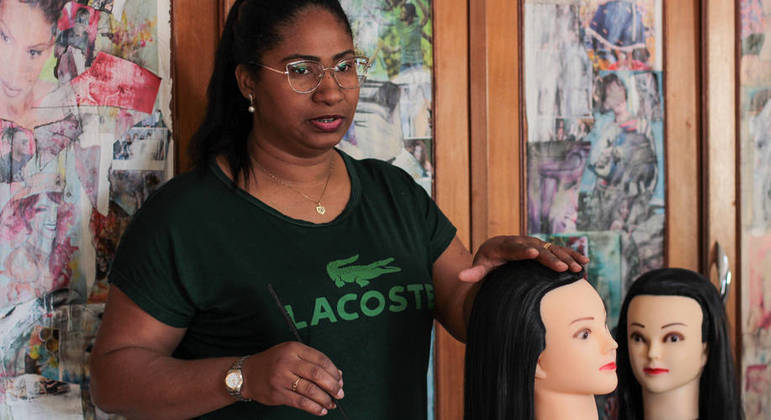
(500, 249)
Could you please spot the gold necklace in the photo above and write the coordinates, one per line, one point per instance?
(320, 209)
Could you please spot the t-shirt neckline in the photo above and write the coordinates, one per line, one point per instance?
(353, 199)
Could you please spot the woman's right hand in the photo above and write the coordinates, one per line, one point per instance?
(269, 377)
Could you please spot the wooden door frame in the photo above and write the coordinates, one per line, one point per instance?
(720, 153)
(452, 184)
(193, 29)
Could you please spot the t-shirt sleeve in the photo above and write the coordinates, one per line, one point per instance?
(144, 269)
(438, 228)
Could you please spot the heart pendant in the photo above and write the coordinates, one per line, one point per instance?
(321, 209)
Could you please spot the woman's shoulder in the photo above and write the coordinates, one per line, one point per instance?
(183, 195)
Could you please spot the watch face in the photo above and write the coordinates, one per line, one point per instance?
(234, 380)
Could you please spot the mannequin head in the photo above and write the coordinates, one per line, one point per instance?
(516, 338)
(666, 349)
(580, 356)
(672, 331)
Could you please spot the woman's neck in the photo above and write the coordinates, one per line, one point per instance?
(291, 167)
(23, 112)
(678, 404)
(550, 405)
(13, 112)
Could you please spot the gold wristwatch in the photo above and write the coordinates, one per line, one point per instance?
(234, 379)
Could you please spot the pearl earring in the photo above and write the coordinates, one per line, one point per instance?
(251, 104)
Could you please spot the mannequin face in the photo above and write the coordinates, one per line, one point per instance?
(580, 353)
(665, 348)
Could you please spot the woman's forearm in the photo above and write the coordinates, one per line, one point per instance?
(136, 382)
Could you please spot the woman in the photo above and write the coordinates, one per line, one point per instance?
(27, 35)
(668, 366)
(21, 147)
(36, 225)
(278, 231)
(538, 346)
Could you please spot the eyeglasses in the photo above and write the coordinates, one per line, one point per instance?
(305, 75)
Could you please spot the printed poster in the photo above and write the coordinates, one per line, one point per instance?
(85, 137)
(755, 194)
(595, 124)
(393, 120)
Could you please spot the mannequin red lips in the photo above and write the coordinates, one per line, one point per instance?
(609, 366)
(655, 371)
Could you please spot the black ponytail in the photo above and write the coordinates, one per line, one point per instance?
(252, 28)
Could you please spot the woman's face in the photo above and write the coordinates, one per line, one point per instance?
(305, 124)
(580, 353)
(25, 44)
(419, 152)
(615, 97)
(44, 219)
(81, 22)
(21, 145)
(665, 347)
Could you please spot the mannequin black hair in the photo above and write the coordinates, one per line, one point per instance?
(252, 28)
(505, 338)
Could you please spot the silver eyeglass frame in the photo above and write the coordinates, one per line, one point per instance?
(324, 70)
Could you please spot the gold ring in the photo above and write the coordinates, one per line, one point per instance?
(295, 383)
(547, 245)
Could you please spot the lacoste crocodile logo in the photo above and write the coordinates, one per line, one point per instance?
(359, 274)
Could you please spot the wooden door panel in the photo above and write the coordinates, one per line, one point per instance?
(719, 152)
(683, 131)
(195, 33)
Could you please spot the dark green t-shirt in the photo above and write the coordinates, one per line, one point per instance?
(200, 255)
